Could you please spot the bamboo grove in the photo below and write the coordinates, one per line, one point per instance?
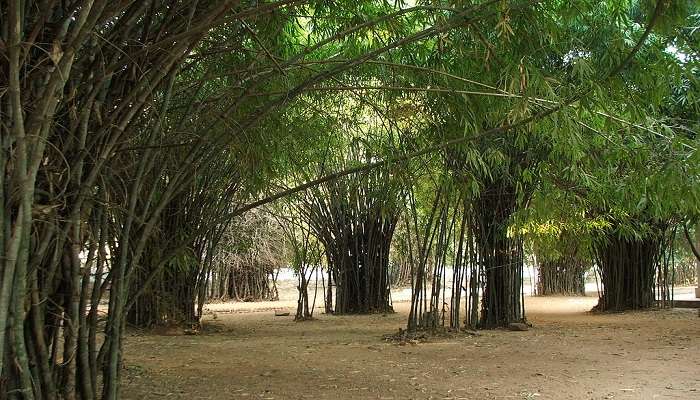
(159, 154)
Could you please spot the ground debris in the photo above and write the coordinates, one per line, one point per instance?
(403, 337)
(518, 326)
(191, 331)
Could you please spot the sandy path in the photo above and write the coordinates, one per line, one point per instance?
(569, 354)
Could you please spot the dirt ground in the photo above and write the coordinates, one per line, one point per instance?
(568, 354)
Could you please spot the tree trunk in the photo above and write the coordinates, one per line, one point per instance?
(500, 256)
(563, 276)
(627, 269)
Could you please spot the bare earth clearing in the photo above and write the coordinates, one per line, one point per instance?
(569, 354)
